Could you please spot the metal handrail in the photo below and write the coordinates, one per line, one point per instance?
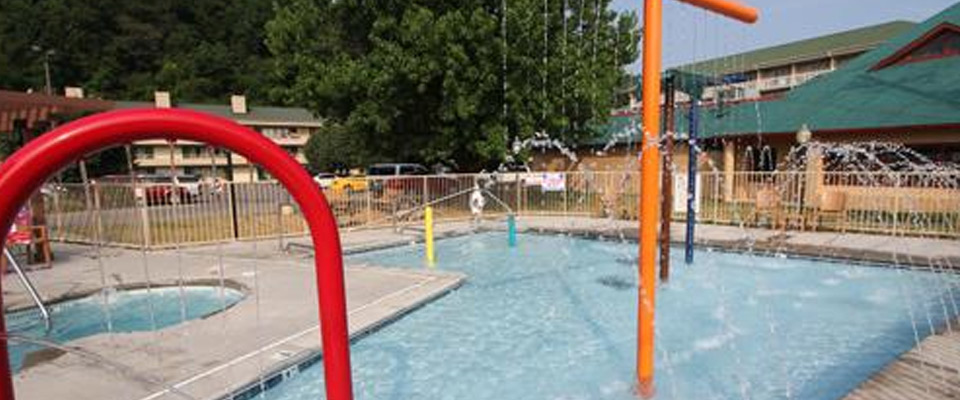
(30, 289)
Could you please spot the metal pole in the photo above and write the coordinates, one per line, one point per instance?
(649, 193)
(692, 153)
(650, 171)
(666, 201)
(31, 290)
(46, 71)
(233, 196)
(22, 174)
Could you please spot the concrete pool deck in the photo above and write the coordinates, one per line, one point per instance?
(215, 356)
(273, 327)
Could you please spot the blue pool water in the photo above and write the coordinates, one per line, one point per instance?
(554, 318)
(128, 310)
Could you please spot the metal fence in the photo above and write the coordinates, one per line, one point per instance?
(120, 214)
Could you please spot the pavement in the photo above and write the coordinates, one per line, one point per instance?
(272, 328)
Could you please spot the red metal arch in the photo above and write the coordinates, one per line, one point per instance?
(24, 172)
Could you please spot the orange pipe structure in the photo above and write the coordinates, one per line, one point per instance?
(727, 8)
(650, 173)
(649, 190)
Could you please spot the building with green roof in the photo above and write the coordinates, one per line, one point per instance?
(289, 127)
(905, 90)
(773, 71)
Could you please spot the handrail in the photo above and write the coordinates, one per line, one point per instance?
(48, 323)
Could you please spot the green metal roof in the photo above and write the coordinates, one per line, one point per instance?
(852, 40)
(255, 114)
(856, 97)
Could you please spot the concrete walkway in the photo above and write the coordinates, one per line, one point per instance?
(273, 327)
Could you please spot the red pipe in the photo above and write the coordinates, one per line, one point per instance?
(24, 172)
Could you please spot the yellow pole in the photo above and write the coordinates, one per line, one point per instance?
(428, 235)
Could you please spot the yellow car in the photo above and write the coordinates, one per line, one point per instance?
(348, 184)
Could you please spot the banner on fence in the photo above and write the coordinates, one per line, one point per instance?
(680, 194)
(553, 182)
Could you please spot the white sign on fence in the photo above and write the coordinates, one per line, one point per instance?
(680, 194)
(553, 182)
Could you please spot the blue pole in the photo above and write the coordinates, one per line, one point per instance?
(512, 230)
(692, 177)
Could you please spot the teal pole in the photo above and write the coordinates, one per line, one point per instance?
(692, 178)
(512, 230)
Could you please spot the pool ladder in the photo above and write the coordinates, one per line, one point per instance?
(30, 289)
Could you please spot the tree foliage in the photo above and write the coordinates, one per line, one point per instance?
(199, 50)
(332, 148)
(423, 80)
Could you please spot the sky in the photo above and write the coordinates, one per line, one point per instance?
(691, 34)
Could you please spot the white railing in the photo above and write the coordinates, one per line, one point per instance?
(890, 204)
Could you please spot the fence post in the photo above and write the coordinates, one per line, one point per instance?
(97, 215)
(58, 220)
(426, 191)
(368, 200)
(519, 193)
(896, 206)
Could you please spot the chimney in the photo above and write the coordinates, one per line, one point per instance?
(238, 104)
(161, 99)
(73, 92)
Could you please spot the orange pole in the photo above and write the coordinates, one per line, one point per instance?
(649, 192)
(650, 172)
(727, 8)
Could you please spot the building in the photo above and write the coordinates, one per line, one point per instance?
(905, 91)
(773, 71)
(288, 127)
(901, 89)
(776, 70)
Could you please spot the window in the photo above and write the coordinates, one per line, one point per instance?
(293, 151)
(193, 152)
(277, 133)
(144, 153)
(941, 42)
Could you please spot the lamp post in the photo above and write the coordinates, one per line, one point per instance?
(47, 53)
(804, 135)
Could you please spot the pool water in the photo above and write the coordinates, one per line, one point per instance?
(554, 318)
(128, 311)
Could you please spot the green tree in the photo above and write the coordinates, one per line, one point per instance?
(199, 50)
(424, 80)
(332, 148)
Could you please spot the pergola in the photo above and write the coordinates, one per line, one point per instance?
(34, 109)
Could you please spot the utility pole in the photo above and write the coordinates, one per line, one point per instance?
(47, 53)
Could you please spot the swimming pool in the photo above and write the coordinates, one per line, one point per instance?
(554, 318)
(128, 311)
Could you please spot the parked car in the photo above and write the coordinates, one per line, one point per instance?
(408, 179)
(349, 184)
(160, 189)
(324, 179)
